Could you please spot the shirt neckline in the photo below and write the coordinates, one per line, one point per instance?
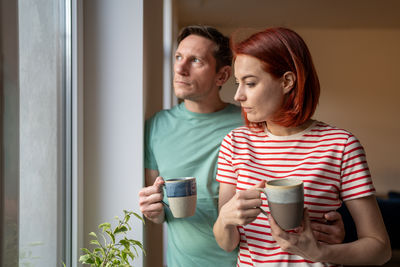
(189, 113)
(287, 137)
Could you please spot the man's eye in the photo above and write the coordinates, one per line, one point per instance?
(177, 57)
(250, 84)
(196, 60)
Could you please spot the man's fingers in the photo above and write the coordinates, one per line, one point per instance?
(152, 210)
(153, 189)
(323, 236)
(317, 226)
(331, 232)
(159, 181)
(150, 190)
(333, 216)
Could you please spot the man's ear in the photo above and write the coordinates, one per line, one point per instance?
(289, 81)
(223, 75)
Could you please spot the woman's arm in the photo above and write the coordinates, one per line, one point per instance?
(373, 244)
(235, 208)
(371, 248)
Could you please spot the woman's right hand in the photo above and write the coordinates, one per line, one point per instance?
(235, 208)
(243, 207)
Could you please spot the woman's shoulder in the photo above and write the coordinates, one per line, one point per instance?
(322, 128)
(245, 134)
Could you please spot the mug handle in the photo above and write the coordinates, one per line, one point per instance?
(162, 201)
(262, 211)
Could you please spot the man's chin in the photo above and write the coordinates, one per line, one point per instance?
(182, 94)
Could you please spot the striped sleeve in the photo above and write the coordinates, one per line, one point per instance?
(225, 171)
(356, 177)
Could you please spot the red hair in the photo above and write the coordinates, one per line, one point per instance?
(281, 50)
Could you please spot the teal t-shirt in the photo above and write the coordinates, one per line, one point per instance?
(180, 143)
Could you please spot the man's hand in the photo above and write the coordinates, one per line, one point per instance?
(150, 201)
(330, 232)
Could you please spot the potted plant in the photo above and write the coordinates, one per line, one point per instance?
(112, 246)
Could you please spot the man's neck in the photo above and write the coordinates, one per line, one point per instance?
(205, 106)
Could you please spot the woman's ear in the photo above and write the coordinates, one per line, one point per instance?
(223, 75)
(289, 80)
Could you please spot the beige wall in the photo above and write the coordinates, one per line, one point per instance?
(359, 92)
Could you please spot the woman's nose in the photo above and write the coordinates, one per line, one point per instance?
(239, 96)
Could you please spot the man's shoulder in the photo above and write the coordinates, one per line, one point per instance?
(164, 114)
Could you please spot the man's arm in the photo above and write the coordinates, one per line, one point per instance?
(150, 197)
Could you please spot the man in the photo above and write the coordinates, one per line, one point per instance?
(184, 141)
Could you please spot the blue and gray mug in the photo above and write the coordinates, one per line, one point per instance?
(182, 196)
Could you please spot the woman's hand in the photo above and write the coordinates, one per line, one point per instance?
(235, 208)
(243, 207)
(301, 241)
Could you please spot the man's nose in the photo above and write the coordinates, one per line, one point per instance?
(181, 67)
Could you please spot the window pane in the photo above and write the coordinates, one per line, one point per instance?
(40, 66)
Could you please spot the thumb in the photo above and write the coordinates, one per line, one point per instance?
(332, 216)
(259, 185)
(159, 181)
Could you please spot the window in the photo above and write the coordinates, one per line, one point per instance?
(35, 182)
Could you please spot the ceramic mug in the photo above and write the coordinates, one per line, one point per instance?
(286, 201)
(182, 196)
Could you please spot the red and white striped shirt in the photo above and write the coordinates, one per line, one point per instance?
(330, 161)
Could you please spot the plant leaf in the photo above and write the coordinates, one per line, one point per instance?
(104, 226)
(93, 234)
(120, 229)
(95, 242)
(111, 235)
(139, 217)
(86, 259)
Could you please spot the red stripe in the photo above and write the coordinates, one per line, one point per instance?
(358, 194)
(285, 141)
(289, 171)
(356, 186)
(286, 147)
(356, 179)
(286, 165)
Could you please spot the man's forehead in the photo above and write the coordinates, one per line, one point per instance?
(195, 44)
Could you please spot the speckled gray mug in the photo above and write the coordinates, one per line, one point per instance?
(286, 201)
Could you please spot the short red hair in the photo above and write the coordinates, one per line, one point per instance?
(282, 50)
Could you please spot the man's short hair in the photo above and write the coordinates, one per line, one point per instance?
(222, 54)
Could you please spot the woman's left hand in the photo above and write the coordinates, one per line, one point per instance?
(301, 241)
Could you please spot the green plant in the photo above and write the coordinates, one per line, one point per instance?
(112, 250)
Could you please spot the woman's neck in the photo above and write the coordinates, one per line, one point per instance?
(279, 130)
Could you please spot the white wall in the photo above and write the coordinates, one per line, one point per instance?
(113, 111)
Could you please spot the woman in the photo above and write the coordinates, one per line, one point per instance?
(278, 90)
